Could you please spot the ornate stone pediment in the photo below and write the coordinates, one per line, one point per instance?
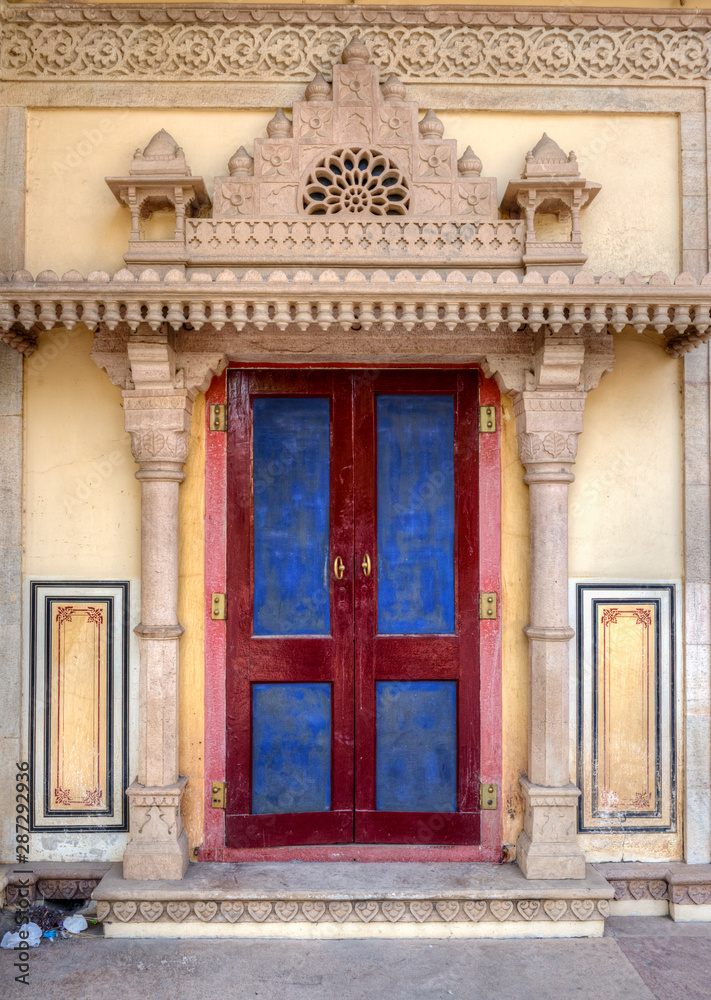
(354, 176)
(354, 148)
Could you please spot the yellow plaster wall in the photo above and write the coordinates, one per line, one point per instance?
(191, 608)
(81, 500)
(71, 151)
(627, 503)
(630, 155)
(514, 611)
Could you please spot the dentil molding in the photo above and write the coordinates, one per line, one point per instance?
(421, 44)
(498, 316)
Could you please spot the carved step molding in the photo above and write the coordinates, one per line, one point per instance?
(51, 880)
(343, 900)
(681, 890)
(247, 44)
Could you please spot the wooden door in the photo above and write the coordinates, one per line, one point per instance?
(290, 609)
(352, 569)
(416, 614)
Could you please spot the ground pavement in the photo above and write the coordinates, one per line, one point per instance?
(640, 958)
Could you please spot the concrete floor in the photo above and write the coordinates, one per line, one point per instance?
(640, 958)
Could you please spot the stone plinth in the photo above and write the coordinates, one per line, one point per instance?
(347, 900)
(159, 845)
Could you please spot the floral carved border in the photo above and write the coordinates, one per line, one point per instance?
(287, 44)
(361, 911)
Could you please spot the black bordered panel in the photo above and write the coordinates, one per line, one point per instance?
(78, 706)
(627, 726)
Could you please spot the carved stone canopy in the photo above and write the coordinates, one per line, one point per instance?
(353, 176)
(550, 183)
(160, 178)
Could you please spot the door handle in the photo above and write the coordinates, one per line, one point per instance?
(338, 568)
(366, 565)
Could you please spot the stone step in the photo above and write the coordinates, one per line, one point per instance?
(683, 891)
(353, 900)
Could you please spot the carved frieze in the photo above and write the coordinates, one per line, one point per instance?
(288, 44)
(418, 911)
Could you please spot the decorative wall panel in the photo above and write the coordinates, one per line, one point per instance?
(626, 716)
(146, 42)
(78, 705)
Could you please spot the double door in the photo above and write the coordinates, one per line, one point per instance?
(352, 630)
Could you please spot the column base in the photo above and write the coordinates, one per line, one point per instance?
(547, 847)
(159, 846)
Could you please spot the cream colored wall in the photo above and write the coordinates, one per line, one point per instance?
(630, 448)
(71, 151)
(82, 502)
(191, 614)
(630, 155)
(627, 502)
(514, 611)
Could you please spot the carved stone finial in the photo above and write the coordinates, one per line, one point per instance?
(161, 146)
(469, 163)
(355, 52)
(392, 89)
(319, 89)
(431, 127)
(279, 126)
(547, 159)
(241, 164)
(162, 155)
(547, 150)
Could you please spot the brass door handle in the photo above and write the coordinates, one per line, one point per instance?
(366, 565)
(338, 568)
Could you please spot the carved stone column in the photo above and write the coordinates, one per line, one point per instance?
(549, 418)
(157, 416)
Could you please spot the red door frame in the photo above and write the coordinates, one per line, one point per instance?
(489, 709)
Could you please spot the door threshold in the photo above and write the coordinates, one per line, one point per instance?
(367, 853)
(353, 901)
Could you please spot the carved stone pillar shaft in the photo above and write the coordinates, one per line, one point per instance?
(548, 631)
(157, 416)
(548, 422)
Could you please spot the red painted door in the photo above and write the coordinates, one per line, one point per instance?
(417, 663)
(352, 570)
(290, 609)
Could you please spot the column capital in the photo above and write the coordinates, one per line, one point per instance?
(159, 424)
(157, 411)
(548, 422)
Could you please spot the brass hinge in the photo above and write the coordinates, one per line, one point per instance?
(487, 419)
(219, 795)
(218, 417)
(487, 605)
(219, 607)
(487, 796)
